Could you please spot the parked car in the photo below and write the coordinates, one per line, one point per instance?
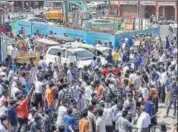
(79, 56)
(99, 51)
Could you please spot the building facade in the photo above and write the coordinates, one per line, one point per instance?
(28, 4)
(145, 9)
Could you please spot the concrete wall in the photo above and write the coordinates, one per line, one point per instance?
(89, 36)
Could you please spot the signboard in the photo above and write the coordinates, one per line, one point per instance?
(166, 3)
(148, 2)
(128, 2)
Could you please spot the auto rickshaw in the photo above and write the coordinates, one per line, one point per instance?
(23, 57)
(41, 45)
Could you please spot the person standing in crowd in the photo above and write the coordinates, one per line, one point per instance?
(168, 90)
(92, 119)
(93, 63)
(4, 124)
(84, 123)
(62, 111)
(123, 125)
(22, 110)
(108, 117)
(173, 98)
(38, 93)
(12, 116)
(109, 58)
(130, 106)
(100, 121)
(144, 121)
(12, 50)
(42, 63)
(69, 121)
(116, 56)
(76, 113)
(49, 96)
(4, 98)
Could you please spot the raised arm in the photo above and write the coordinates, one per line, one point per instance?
(30, 93)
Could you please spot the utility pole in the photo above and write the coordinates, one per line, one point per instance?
(66, 11)
(177, 62)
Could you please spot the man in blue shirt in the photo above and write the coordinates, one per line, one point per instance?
(36, 125)
(137, 61)
(110, 57)
(12, 116)
(69, 121)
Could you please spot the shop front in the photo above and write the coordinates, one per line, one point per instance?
(147, 9)
(167, 10)
(115, 8)
(129, 8)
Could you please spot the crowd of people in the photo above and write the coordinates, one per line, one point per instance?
(120, 96)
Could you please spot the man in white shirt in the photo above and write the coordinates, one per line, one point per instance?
(100, 122)
(42, 63)
(10, 74)
(144, 121)
(62, 111)
(162, 76)
(144, 91)
(132, 76)
(14, 88)
(38, 92)
(88, 92)
(122, 124)
(130, 104)
(12, 50)
(109, 117)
